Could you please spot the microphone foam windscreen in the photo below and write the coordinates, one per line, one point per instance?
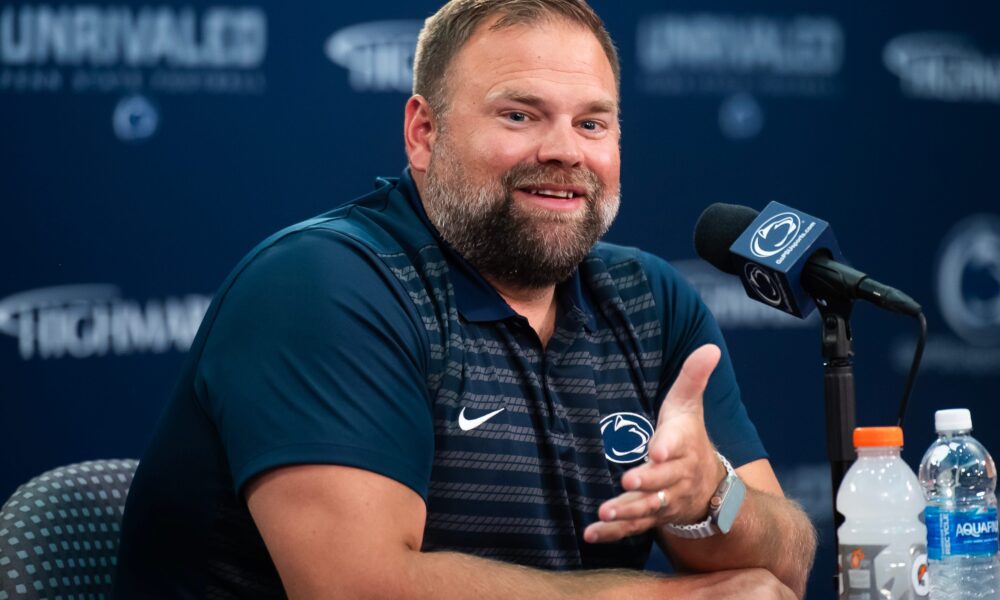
(716, 230)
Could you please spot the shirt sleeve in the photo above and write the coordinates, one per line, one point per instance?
(688, 324)
(316, 356)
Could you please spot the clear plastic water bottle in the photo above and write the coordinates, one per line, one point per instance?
(883, 554)
(959, 478)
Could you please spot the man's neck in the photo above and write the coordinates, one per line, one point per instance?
(537, 305)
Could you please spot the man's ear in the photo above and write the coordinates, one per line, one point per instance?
(419, 131)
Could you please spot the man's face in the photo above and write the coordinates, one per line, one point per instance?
(524, 172)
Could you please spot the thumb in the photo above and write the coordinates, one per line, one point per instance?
(686, 392)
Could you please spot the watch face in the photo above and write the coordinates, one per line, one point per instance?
(730, 500)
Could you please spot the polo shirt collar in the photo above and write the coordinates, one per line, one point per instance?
(476, 299)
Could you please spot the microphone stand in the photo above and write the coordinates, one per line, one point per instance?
(838, 389)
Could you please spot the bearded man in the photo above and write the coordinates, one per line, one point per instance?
(447, 388)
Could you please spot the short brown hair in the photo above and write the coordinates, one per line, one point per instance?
(446, 31)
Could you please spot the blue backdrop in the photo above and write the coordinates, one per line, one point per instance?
(146, 147)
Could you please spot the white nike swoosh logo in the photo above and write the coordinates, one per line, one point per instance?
(468, 424)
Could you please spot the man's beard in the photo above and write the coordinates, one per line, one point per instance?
(527, 247)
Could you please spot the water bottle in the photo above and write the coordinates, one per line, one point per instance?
(959, 478)
(882, 554)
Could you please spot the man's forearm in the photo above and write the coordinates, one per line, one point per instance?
(450, 575)
(770, 532)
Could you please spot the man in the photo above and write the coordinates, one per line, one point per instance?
(445, 389)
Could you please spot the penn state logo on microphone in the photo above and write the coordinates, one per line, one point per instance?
(626, 436)
(775, 234)
(765, 285)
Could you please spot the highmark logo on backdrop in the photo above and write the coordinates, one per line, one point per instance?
(378, 55)
(968, 297)
(83, 321)
(739, 57)
(728, 301)
(132, 50)
(943, 66)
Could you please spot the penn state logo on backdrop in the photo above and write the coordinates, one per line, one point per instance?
(967, 288)
(135, 118)
(775, 234)
(969, 280)
(626, 436)
(741, 116)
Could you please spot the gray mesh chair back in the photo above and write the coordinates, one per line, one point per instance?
(59, 531)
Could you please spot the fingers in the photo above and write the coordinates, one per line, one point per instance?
(682, 411)
(654, 476)
(630, 505)
(637, 506)
(629, 514)
(664, 493)
(603, 532)
(685, 483)
(666, 505)
(690, 383)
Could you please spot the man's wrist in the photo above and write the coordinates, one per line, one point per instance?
(721, 508)
(721, 472)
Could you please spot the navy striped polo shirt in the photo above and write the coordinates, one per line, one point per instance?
(360, 338)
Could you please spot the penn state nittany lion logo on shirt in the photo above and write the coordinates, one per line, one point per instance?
(626, 436)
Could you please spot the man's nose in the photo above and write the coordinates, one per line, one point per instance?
(561, 145)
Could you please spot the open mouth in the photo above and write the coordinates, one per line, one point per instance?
(565, 194)
(555, 197)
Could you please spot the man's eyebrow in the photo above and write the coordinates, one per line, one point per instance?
(602, 106)
(597, 106)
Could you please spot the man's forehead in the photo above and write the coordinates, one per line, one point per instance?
(553, 49)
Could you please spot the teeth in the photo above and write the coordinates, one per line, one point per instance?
(555, 193)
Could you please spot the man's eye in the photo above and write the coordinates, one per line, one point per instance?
(518, 117)
(590, 125)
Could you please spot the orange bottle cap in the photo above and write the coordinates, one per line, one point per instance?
(867, 437)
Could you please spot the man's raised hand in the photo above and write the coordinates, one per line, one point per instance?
(683, 470)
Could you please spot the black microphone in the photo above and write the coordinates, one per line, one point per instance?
(822, 277)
